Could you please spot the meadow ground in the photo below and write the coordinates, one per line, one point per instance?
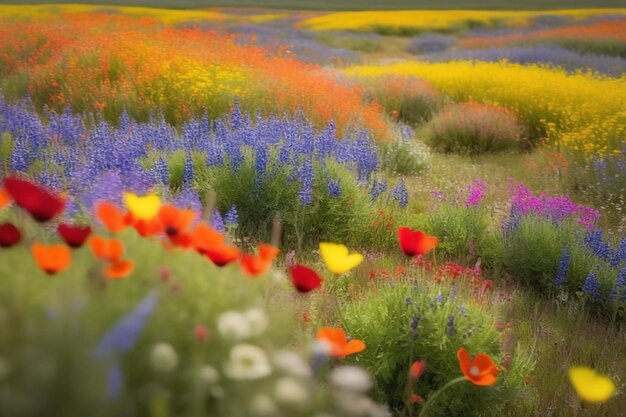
(177, 187)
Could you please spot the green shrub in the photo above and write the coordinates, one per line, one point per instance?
(410, 99)
(385, 320)
(474, 128)
(404, 156)
(260, 201)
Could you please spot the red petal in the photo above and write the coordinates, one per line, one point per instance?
(41, 204)
(9, 235)
(74, 236)
(304, 279)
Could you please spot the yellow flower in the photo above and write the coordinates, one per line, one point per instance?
(337, 258)
(590, 385)
(142, 208)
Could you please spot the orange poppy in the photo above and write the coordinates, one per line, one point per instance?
(53, 258)
(417, 369)
(175, 220)
(119, 269)
(223, 255)
(254, 265)
(415, 242)
(338, 342)
(5, 198)
(145, 228)
(182, 240)
(112, 217)
(110, 250)
(268, 252)
(205, 238)
(479, 371)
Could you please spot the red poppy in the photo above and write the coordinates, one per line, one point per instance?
(52, 259)
(205, 238)
(74, 236)
(175, 220)
(417, 369)
(119, 269)
(415, 242)
(201, 333)
(112, 217)
(5, 198)
(9, 235)
(222, 255)
(304, 279)
(110, 250)
(41, 204)
(479, 371)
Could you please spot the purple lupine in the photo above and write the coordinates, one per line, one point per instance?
(592, 286)
(188, 199)
(400, 194)
(619, 255)
(334, 189)
(188, 170)
(475, 193)
(162, 171)
(217, 222)
(595, 242)
(122, 337)
(563, 268)
(307, 178)
(115, 381)
(232, 217)
(378, 187)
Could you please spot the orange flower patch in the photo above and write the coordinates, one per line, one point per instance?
(174, 220)
(205, 238)
(223, 255)
(109, 250)
(338, 342)
(52, 259)
(119, 269)
(112, 217)
(479, 371)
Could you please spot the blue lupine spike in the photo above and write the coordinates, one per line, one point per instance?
(400, 194)
(561, 273)
(618, 293)
(232, 217)
(592, 286)
(122, 337)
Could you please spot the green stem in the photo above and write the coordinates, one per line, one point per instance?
(432, 398)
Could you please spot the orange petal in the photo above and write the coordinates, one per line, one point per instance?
(5, 198)
(254, 265)
(223, 255)
(427, 243)
(119, 269)
(110, 250)
(147, 228)
(52, 259)
(113, 218)
(175, 220)
(335, 336)
(268, 252)
(204, 237)
(464, 361)
(353, 346)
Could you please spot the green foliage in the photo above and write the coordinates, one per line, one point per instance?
(404, 157)
(383, 318)
(474, 128)
(260, 200)
(461, 230)
(532, 251)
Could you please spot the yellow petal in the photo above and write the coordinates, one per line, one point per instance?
(337, 258)
(142, 208)
(590, 385)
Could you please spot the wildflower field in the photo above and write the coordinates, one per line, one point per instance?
(282, 213)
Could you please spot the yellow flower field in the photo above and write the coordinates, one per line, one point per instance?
(581, 112)
(422, 20)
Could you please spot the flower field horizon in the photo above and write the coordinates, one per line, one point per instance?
(278, 213)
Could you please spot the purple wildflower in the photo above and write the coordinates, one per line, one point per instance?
(400, 194)
(592, 286)
(232, 217)
(561, 273)
(217, 222)
(475, 193)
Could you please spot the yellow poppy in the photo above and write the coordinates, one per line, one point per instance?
(337, 258)
(590, 385)
(142, 208)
